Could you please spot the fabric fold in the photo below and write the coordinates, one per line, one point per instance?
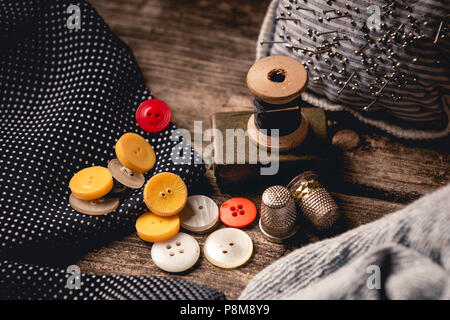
(410, 248)
(67, 94)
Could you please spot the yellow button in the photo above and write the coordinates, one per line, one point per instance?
(91, 183)
(135, 153)
(165, 194)
(153, 228)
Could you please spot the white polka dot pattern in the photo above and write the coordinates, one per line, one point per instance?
(24, 281)
(66, 96)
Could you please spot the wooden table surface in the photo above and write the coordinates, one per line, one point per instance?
(195, 56)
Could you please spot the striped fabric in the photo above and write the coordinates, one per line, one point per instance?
(415, 109)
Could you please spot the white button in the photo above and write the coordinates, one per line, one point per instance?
(228, 248)
(178, 254)
(200, 214)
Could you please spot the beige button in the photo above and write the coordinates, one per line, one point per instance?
(93, 207)
(228, 248)
(200, 214)
(125, 176)
(178, 254)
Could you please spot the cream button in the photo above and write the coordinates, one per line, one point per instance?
(200, 214)
(93, 207)
(178, 254)
(228, 248)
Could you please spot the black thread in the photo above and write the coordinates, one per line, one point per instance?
(286, 121)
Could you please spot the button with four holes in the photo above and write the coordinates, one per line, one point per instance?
(153, 228)
(178, 254)
(165, 194)
(228, 248)
(238, 212)
(200, 214)
(153, 115)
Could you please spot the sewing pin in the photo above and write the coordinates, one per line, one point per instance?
(370, 105)
(346, 82)
(262, 42)
(378, 93)
(438, 32)
(361, 49)
(291, 46)
(321, 51)
(336, 39)
(239, 113)
(338, 17)
(326, 32)
(287, 18)
(305, 9)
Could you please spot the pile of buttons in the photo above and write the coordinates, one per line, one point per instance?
(97, 190)
(165, 195)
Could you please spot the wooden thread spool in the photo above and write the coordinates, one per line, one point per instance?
(277, 80)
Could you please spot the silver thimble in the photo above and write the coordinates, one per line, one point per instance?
(315, 202)
(278, 214)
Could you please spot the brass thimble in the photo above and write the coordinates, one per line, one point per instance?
(315, 202)
(278, 214)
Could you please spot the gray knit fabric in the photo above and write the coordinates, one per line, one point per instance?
(411, 248)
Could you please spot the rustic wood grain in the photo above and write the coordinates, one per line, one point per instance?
(195, 55)
(132, 255)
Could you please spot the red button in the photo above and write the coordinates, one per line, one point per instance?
(153, 115)
(237, 212)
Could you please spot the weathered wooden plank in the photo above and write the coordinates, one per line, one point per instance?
(197, 61)
(195, 55)
(385, 168)
(132, 255)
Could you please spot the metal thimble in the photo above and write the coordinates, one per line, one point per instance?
(315, 202)
(278, 214)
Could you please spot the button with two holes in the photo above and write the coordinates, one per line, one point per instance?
(89, 187)
(237, 212)
(200, 214)
(91, 183)
(165, 194)
(228, 248)
(153, 228)
(178, 254)
(135, 156)
(153, 115)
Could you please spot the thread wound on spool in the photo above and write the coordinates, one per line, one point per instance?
(286, 121)
(277, 83)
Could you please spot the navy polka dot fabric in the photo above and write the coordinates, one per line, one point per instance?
(66, 96)
(23, 281)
